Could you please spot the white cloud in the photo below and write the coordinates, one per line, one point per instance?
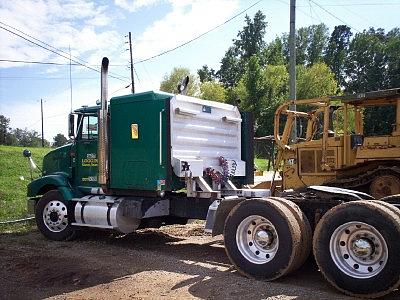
(85, 26)
(187, 19)
(75, 23)
(135, 5)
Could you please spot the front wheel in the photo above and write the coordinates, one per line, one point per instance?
(54, 217)
(356, 248)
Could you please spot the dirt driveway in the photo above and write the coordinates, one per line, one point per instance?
(172, 262)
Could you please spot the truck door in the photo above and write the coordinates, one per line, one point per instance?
(86, 152)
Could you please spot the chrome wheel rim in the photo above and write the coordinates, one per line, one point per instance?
(257, 239)
(358, 250)
(55, 216)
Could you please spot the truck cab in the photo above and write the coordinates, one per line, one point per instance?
(72, 168)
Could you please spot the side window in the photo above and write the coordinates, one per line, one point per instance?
(89, 128)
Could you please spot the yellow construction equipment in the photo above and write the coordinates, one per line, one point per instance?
(333, 149)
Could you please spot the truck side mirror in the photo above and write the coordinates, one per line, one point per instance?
(71, 125)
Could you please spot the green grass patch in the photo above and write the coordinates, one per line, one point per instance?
(262, 164)
(14, 178)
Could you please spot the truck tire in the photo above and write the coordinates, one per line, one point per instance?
(54, 216)
(305, 229)
(262, 238)
(389, 206)
(392, 199)
(356, 248)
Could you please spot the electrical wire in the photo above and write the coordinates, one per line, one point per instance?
(35, 62)
(52, 63)
(199, 36)
(55, 52)
(334, 16)
(42, 78)
(356, 4)
(57, 49)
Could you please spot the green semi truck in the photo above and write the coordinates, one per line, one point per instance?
(152, 159)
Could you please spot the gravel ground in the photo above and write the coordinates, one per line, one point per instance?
(171, 262)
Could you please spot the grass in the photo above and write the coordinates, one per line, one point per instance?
(14, 178)
(262, 164)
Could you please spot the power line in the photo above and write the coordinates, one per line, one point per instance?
(35, 62)
(357, 4)
(43, 78)
(51, 63)
(36, 39)
(44, 43)
(199, 36)
(334, 16)
(55, 52)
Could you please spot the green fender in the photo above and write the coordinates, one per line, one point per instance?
(41, 185)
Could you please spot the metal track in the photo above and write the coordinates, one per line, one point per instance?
(363, 179)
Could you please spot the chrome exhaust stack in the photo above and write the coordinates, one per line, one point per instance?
(103, 136)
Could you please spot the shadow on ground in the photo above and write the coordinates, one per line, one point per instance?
(32, 267)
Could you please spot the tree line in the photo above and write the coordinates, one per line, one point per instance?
(25, 137)
(253, 74)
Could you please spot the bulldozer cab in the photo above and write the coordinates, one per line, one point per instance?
(347, 141)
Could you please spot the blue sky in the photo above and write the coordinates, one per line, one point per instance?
(93, 29)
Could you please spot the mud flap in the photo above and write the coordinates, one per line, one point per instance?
(218, 212)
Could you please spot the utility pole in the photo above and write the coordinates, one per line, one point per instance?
(41, 109)
(292, 64)
(130, 49)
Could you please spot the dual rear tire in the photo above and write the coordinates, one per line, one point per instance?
(267, 238)
(355, 244)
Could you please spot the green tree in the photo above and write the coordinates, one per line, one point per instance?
(261, 90)
(253, 82)
(365, 67)
(59, 140)
(373, 64)
(315, 81)
(4, 129)
(171, 81)
(250, 42)
(276, 84)
(213, 90)
(251, 38)
(337, 50)
(206, 74)
(311, 43)
(273, 53)
(318, 37)
(302, 41)
(393, 58)
(28, 138)
(231, 69)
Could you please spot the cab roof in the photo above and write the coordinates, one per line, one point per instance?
(87, 109)
(388, 97)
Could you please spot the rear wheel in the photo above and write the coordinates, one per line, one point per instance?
(262, 238)
(54, 217)
(356, 248)
(305, 229)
